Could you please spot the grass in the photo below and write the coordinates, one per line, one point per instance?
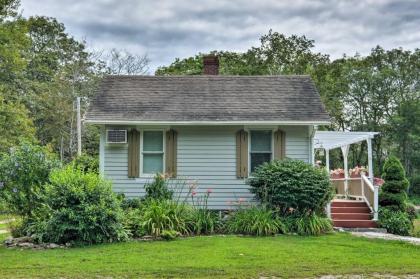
(218, 257)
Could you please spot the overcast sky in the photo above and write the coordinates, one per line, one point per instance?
(168, 29)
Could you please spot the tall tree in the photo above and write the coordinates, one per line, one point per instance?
(122, 62)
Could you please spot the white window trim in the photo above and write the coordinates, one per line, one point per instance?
(249, 130)
(151, 175)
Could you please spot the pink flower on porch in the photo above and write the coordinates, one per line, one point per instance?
(378, 181)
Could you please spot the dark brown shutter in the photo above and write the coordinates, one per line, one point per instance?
(133, 153)
(279, 145)
(171, 146)
(242, 154)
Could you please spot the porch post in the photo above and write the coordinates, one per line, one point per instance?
(327, 160)
(370, 160)
(345, 151)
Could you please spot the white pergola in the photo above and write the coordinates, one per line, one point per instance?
(333, 139)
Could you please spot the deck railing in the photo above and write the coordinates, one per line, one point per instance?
(359, 188)
(370, 193)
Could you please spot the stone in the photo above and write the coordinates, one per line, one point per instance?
(22, 239)
(25, 245)
(53, 246)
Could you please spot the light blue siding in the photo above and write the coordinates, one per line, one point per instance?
(206, 158)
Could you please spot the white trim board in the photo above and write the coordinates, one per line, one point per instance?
(215, 123)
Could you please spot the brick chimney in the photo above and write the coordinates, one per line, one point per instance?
(210, 65)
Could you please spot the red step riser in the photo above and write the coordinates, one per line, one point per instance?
(348, 204)
(350, 210)
(355, 223)
(351, 216)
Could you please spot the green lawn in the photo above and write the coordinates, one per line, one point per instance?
(218, 257)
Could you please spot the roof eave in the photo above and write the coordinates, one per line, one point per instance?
(204, 123)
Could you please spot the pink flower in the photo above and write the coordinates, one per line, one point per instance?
(209, 191)
(241, 200)
(194, 193)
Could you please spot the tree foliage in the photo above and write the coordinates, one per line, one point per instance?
(377, 92)
(23, 173)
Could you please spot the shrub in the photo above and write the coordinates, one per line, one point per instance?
(169, 235)
(254, 220)
(308, 224)
(293, 184)
(86, 163)
(411, 211)
(80, 208)
(161, 215)
(129, 203)
(158, 189)
(204, 221)
(396, 222)
(23, 173)
(393, 191)
(133, 222)
(16, 227)
(415, 185)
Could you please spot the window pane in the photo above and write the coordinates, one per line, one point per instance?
(261, 141)
(153, 141)
(152, 163)
(258, 159)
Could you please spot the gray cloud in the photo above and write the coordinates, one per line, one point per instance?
(167, 29)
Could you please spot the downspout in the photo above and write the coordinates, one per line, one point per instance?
(311, 143)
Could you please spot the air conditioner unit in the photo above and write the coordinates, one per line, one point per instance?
(116, 136)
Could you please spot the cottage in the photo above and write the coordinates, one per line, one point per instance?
(210, 129)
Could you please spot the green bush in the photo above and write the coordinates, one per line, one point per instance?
(129, 203)
(415, 185)
(293, 184)
(86, 163)
(396, 222)
(16, 227)
(80, 208)
(133, 222)
(165, 215)
(411, 211)
(308, 224)
(170, 235)
(393, 192)
(23, 173)
(204, 221)
(254, 220)
(158, 189)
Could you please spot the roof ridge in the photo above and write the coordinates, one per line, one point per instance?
(207, 76)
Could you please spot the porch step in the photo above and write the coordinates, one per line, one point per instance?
(354, 223)
(356, 209)
(351, 216)
(348, 204)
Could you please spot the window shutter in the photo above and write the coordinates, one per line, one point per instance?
(133, 153)
(171, 152)
(279, 145)
(242, 154)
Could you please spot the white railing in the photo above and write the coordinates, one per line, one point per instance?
(370, 195)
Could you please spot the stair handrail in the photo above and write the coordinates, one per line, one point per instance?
(375, 190)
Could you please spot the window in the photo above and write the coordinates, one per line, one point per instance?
(260, 148)
(152, 152)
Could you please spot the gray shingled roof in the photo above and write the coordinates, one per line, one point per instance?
(207, 98)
